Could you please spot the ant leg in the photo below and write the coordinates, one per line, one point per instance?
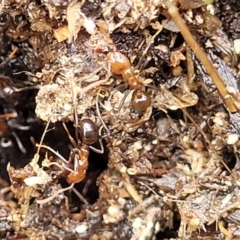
(103, 136)
(100, 151)
(147, 48)
(80, 196)
(25, 88)
(99, 115)
(60, 166)
(53, 151)
(44, 133)
(72, 157)
(46, 200)
(86, 187)
(75, 117)
(96, 84)
(122, 101)
(19, 143)
(115, 90)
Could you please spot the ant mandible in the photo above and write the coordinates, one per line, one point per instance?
(121, 65)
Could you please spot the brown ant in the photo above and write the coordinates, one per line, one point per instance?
(75, 168)
(121, 65)
(78, 161)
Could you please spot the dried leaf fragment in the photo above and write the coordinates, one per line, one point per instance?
(74, 19)
(170, 25)
(232, 139)
(196, 159)
(176, 57)
(61, 33)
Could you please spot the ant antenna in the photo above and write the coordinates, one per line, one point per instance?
(53, 151)
(75, 117)
(147, 48)
(36, 156)
(69, 136)
(123, 100)
(99, 115)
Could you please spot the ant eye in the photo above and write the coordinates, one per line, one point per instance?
(140, 100)
(88, 131)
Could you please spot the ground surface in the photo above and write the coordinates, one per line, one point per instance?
(169, 170)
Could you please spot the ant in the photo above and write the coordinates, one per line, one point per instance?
(75, 168)
(121, 65)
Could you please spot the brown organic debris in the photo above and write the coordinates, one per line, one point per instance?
(115, 123)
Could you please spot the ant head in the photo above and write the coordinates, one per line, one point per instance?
(118, 62)
(88, 131)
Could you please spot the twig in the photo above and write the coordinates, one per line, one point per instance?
(201, 55)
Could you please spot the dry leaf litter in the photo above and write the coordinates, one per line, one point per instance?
(170, 168)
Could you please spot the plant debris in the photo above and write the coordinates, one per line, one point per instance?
(119, 119)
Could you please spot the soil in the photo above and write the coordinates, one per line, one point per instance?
(112, 125)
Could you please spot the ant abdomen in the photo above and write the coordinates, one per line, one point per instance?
(88, 131)
(140, 100)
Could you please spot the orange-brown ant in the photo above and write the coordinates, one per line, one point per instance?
(75, 168)
(121, 65)
(78, 161)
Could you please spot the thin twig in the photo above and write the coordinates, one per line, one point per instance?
(201, 55)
